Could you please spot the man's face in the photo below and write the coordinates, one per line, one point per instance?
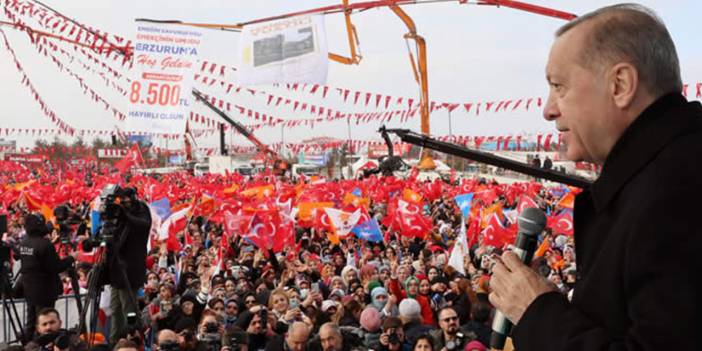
(297, 340)
(448, 321)
(256, 324)
(48, 323)
(167, 337)
(330, 340)
(578, 100)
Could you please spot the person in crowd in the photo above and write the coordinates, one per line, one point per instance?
(167, 340)
(411, 290)
(294, 340)
(423, 343)
(393, 336)
(371, 322)
(449, 335)
(235, 339)
(411, 317)
(126, 345)
(333, 338)
(255, 322)
(50, 334)
(40, 269)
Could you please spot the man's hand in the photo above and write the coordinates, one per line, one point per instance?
(515, 286)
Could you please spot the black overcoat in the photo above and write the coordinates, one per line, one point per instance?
(637, 237)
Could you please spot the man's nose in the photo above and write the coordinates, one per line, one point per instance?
(551, 111)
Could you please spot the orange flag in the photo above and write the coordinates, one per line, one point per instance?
(305, 209)
(259, 192)
(567, 201)
(37, 205)
(412, 196)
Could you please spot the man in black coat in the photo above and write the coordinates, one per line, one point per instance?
(615, 95)
(127, 259)
(40, 270)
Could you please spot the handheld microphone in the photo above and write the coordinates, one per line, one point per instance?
(531, 222)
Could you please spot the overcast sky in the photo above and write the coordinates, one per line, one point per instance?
(475, 53)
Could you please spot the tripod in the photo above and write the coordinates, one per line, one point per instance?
(8, 303)
(95, 285)
(64, 251)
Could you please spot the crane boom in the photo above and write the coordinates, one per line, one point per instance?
(238, 126)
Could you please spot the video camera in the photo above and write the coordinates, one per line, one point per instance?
(65, 219)
(60, 339)
(110, 211)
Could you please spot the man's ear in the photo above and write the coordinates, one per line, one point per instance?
(624, 84)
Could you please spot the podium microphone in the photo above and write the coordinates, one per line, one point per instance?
(531, 222)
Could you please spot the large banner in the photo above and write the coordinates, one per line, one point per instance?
(290, 50)
(160, 93)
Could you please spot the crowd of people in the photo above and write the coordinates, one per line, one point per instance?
(212, 289)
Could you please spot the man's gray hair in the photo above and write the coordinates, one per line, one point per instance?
(635, 34)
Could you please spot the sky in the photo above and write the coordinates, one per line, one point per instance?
(474, 53)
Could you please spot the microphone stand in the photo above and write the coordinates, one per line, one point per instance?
(422, 140)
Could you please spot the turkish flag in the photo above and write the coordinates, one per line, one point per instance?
(495, 234)
(284, 236)
(526, 202)
(410, 221)
(237, 224)
(131, 159)
(263, 229)
(561, 223)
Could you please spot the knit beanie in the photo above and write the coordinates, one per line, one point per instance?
(370, 319)
(410, 308)
(475, 345)
(373, 284)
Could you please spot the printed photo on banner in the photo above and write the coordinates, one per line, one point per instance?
(291, 50)
(159, 95)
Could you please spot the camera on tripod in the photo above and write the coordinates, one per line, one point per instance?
(65, 219)
(110, 214)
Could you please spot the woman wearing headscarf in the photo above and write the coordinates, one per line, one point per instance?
(381, 301)
(411, 289)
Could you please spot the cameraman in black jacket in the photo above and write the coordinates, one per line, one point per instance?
(40, 269)
(127, 259)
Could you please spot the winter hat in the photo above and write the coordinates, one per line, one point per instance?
(338, 292)
(327, 304)
(335, 278)
(373, 284)
(374, 297)
(416, 265)
(370, 319)
(475, 345)
(410, 308)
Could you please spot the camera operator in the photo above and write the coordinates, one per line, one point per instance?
(127, 256)
(40, 270)
(50, 335)
(167, 340)
(210, 332)
(393, 336)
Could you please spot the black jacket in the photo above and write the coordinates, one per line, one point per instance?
(40, 268)
(637, 234)
(131, 249)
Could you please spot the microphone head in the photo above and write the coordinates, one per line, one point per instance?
(531, 221)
